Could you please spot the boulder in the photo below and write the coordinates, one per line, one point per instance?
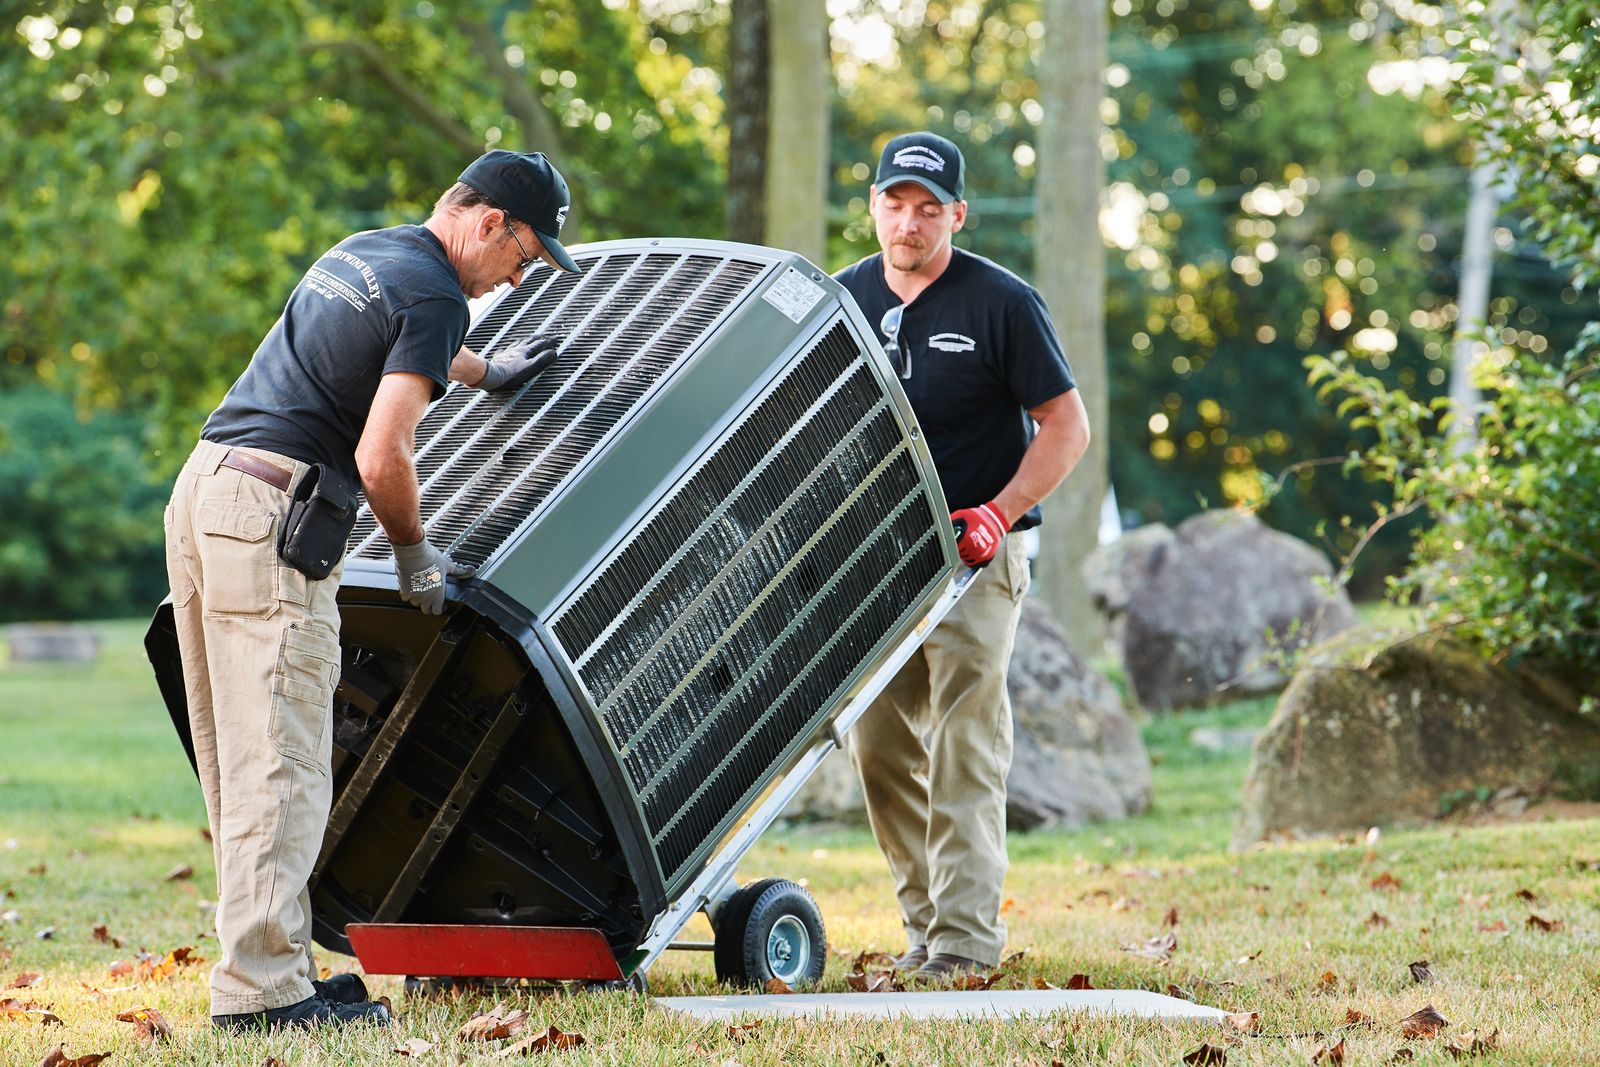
(1381, 727)
(1079, 755)
(52, 643)
(1198, 612)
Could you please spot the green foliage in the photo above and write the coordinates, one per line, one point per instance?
(1513, 562)
(80, 534)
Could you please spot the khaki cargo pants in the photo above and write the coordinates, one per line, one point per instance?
(260, 650)
(938, 809)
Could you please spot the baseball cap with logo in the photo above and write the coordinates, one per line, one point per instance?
(925, 158)
(530, 189)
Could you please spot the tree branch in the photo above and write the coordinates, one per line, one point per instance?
(378, 64)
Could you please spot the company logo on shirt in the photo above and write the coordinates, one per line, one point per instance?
(952, 342)
(920, 157)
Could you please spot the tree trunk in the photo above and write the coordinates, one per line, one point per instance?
(1070, 267)
(797, 143)
(747, 121)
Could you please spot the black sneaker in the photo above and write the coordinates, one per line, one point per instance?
(308, 1014)
(341, 989)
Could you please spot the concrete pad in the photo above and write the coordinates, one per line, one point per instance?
(951, 1004)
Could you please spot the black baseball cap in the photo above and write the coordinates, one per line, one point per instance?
(529, 188)
(931, 161)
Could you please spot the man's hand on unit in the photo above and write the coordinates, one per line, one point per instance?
(422, 570)
(521, 362)
(978, 532)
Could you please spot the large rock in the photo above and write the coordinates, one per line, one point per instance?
(1380, 728)
(1199, 612)
(1078, 756)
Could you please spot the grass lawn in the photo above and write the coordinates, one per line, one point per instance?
(98, 806)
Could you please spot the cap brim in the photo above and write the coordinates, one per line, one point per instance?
(555, 255)
(890, 181)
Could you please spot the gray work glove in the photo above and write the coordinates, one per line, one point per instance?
(521, 362)
(422, 570)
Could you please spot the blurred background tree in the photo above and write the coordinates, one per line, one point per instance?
(1285, 178)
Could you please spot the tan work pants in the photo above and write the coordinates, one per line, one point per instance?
(260, 649)
(938, 809)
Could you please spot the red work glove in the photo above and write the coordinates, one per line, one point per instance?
(978, 532)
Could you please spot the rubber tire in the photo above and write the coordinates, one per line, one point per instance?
(746, 921)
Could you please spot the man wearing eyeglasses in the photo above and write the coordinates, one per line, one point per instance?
(980, 361)
(369, 338)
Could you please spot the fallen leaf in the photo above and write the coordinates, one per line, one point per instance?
(148, 1023)
(1377, 921)
(1327, 982)
(1156, 948)
(103, 936)
(1008, 905)
(205, 832)
(871, 959)
(1497, 927)
(1079, 981)
(26, 979)
(179, 873)
(1242, 960)
(273, 1061)
(1039, 983)
(979, 982)
(1402, 1055)
(1246, 1022)
(876, 982)
(1329, 1053)
(551, 1038)
(494, 1025)
(19, 1011)
(1529, 895)
(119, 968)
(1013, 959)
(1549, 926)
(1171, 917)
(39, 870)
(1355, 1018)
(740, 1031)
(57, 1057)
(413, 1047)
(1424, 1022)
(1472, 1043)
(1206, 1054)
(152, 970)
(1386, 881)
(778, 985)
(1179, 992)
(1421, 971)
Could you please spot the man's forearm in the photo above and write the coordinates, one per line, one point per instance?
(468, 367)
(392, 493)
(1062, 439)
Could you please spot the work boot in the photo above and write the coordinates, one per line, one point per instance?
(308, 1014)
(946, 967)
(913, 958)
(341, 989)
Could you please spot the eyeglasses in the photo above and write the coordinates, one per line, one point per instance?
(527, 260)
(898, 355)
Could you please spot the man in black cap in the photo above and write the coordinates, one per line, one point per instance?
(981, 364)
(369, 338)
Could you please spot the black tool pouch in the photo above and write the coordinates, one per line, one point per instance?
(321, 516)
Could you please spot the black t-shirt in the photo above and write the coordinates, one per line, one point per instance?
(376, 303)
(983, 351)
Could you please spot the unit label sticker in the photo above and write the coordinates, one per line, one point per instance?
(793, 294)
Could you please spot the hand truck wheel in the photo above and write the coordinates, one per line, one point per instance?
(770, 929)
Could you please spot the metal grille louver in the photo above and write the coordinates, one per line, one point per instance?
(487, 461)
(715, 637)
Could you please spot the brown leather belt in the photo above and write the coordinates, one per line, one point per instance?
(257, 467)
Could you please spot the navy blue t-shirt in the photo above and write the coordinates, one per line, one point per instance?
(376, 303)
(983, 351)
